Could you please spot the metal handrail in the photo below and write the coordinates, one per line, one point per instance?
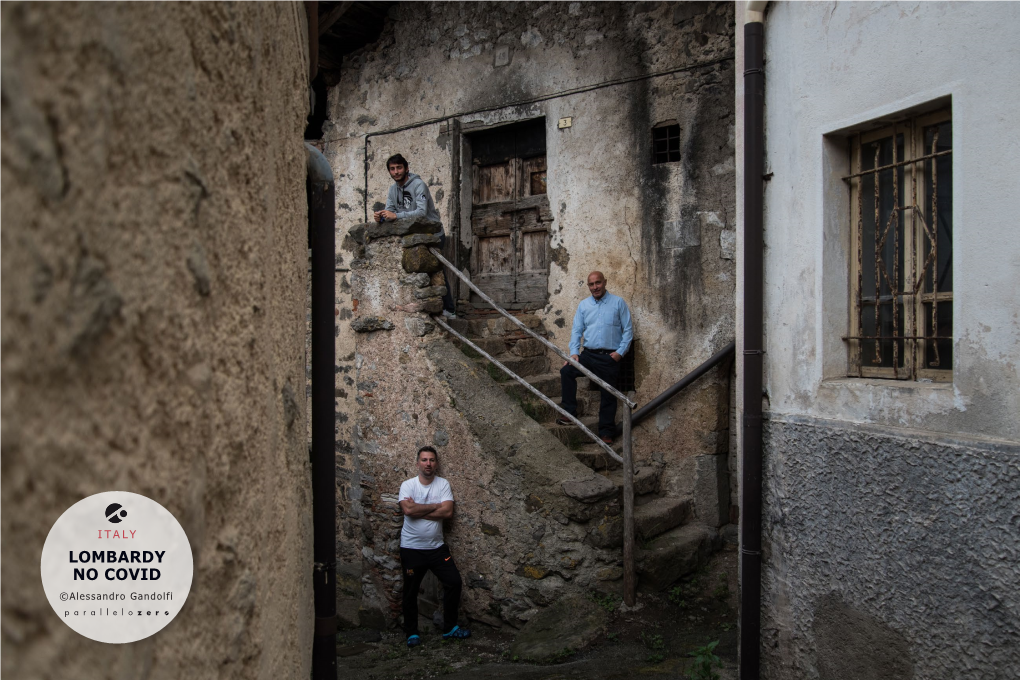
(671, 391)
(591, 376)
(629, 567)
(598, 440)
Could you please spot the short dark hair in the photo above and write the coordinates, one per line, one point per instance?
(435, 453)
(397, 158)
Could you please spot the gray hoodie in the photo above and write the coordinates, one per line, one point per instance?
(411, 200)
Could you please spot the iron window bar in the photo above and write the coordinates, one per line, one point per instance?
(665, 144)
(896, 298)
(897, 165)
(896, 337)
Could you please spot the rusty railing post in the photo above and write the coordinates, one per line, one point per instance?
(629, 577)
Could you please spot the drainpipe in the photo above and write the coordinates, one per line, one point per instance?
(753, 351)
(321, 241)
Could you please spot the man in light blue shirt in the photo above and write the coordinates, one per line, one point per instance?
(603, 321)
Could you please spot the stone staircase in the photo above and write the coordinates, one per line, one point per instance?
(670, 544)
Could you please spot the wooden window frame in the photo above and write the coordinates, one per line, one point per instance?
(914, 210)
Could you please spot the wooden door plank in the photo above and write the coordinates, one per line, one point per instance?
(500, 287)
(532, 289)
(485, 225)
(493, 183)
(495, 255)
(534, 253)
(510, 205)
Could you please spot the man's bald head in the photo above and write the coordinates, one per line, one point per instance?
(597, 284)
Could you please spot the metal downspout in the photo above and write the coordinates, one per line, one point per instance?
(753, 349)
(321, 241)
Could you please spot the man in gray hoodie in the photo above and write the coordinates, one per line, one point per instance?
(410, 197)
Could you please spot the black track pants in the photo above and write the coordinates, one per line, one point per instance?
(414, 564)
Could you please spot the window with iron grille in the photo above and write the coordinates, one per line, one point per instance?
(901, 324)
(665, 144)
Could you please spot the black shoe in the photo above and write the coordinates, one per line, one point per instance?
(564, 421)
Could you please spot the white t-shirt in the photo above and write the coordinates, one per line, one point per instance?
(424, 534)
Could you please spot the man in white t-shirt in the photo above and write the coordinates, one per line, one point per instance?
(426, 500)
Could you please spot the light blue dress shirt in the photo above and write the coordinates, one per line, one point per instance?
(605, 324)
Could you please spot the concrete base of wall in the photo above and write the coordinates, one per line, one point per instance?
(913, 536)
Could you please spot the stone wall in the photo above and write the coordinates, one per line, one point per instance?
(517, 536)
(663, 234)
(888, 554)
(154, 254)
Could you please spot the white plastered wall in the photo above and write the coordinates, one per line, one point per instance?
(831, 67)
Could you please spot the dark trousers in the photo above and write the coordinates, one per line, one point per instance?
(604, 367)
(414, 564)
(448, 303)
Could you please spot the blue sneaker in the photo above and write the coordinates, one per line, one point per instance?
(457, 633)
(413, 641)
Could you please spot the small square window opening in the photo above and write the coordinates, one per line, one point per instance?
(665, 144)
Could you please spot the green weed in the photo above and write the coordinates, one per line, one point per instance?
(607, 601)
(705, 661)
(653, 641)
(678, 596)
(722, 591)
(685, 592)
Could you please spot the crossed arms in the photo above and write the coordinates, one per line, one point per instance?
(436, 511)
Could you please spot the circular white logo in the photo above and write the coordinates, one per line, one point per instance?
(117, 567)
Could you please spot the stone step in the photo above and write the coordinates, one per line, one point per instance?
(586, 385)
(494, 346)
(593, 455)
(651, 519)
(460, 325)
(585, 450)
(522, 366)
(675, 554)
(646, 479)
(588, 402)
(544, 413)
(538, 409)
(546, 383)
(597, 459)
(660, 515)
(500, 326)
(571, 435)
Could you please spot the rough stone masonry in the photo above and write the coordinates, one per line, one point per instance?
(531, 522)
(663, 233)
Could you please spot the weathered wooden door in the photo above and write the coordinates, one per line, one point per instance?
(510, 216)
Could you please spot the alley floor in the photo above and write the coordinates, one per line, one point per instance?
(661, 636)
